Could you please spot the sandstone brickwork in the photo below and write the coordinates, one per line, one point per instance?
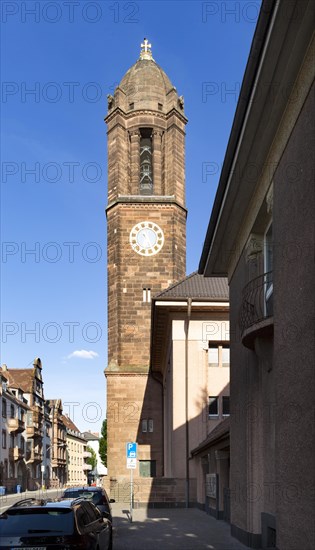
(144, 100)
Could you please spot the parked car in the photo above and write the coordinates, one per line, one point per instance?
(97, 495)
(54, 525)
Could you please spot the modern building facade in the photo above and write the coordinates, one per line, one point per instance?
(190, 359)
(261, 235)
(146, 225)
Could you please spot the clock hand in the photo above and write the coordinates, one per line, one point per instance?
(146, 238)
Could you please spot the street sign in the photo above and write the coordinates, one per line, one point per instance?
(131, 463)
(131, 450)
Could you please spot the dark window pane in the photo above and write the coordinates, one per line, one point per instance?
(226, 405)
(213, 406)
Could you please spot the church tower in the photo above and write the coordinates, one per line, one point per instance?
(146, 230)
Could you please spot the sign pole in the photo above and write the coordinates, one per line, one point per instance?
(131, 453)
(131, 493)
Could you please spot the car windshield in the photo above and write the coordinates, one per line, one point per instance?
(17, 522)
(95, 496)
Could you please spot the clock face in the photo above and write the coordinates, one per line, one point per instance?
(146, 238)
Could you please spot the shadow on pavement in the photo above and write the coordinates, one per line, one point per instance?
(162, 529)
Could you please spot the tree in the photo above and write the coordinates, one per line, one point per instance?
(92, 460)
(103, 443)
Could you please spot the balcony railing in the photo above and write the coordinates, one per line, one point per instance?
(257, 304)
(34, 431)
(16, 425)
(33, 456)
(16, 453)
(87, 454)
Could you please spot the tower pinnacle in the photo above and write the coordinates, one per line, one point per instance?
(146, 52)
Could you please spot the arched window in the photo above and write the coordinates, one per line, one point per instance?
(146, 165)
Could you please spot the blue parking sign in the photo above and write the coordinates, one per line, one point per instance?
(131, 450)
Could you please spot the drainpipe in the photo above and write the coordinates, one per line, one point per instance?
(186, 399)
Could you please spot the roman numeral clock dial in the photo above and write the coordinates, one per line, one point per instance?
(146, 238)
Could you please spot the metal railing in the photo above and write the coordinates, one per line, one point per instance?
(257, 301)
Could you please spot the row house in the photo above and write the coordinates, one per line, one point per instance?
(77, 454)
(33, 436)
(56, 452)
(29, 383)
(13, 414)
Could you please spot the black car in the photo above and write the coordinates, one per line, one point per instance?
(97, 495)
(54, 525)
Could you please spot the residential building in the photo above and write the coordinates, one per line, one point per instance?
(57, 452)
(29, 384)
(100, 471)
(77, 454)
(261, 236)
(13, 413)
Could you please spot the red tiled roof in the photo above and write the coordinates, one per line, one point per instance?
(21, 378)
(69, 424)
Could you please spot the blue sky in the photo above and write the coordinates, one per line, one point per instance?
(59, 61)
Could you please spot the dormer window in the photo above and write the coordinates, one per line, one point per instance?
(146, 171)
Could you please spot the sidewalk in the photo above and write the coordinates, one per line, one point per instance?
(168, 528)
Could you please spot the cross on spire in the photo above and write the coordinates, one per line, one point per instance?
(146, 52)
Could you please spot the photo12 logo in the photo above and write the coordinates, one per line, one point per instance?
(69, 11)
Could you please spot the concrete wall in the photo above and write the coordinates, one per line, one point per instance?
(272, 385)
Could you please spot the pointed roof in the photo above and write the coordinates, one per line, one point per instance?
(21, 378)
(69, 424)
(197, 286)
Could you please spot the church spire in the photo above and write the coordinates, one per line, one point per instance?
(146, 52)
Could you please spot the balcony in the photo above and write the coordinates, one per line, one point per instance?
(37, 415)
(15, 454)
(16, 425)
(33, 431)
(33, 456)
(87, 454)
(56, 462)
(86, 467)
(256, 312)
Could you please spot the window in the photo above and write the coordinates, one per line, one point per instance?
(144, 425)
(4, 439)
(268, 267)
(226, 405)
(219, 354)
(146, 295)
(12, 411)
(4, 408)
(147, 468)
(147, 425)
(12, 442)
(146, 172)
(213, 355)
(225, 355)
(213, 406)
